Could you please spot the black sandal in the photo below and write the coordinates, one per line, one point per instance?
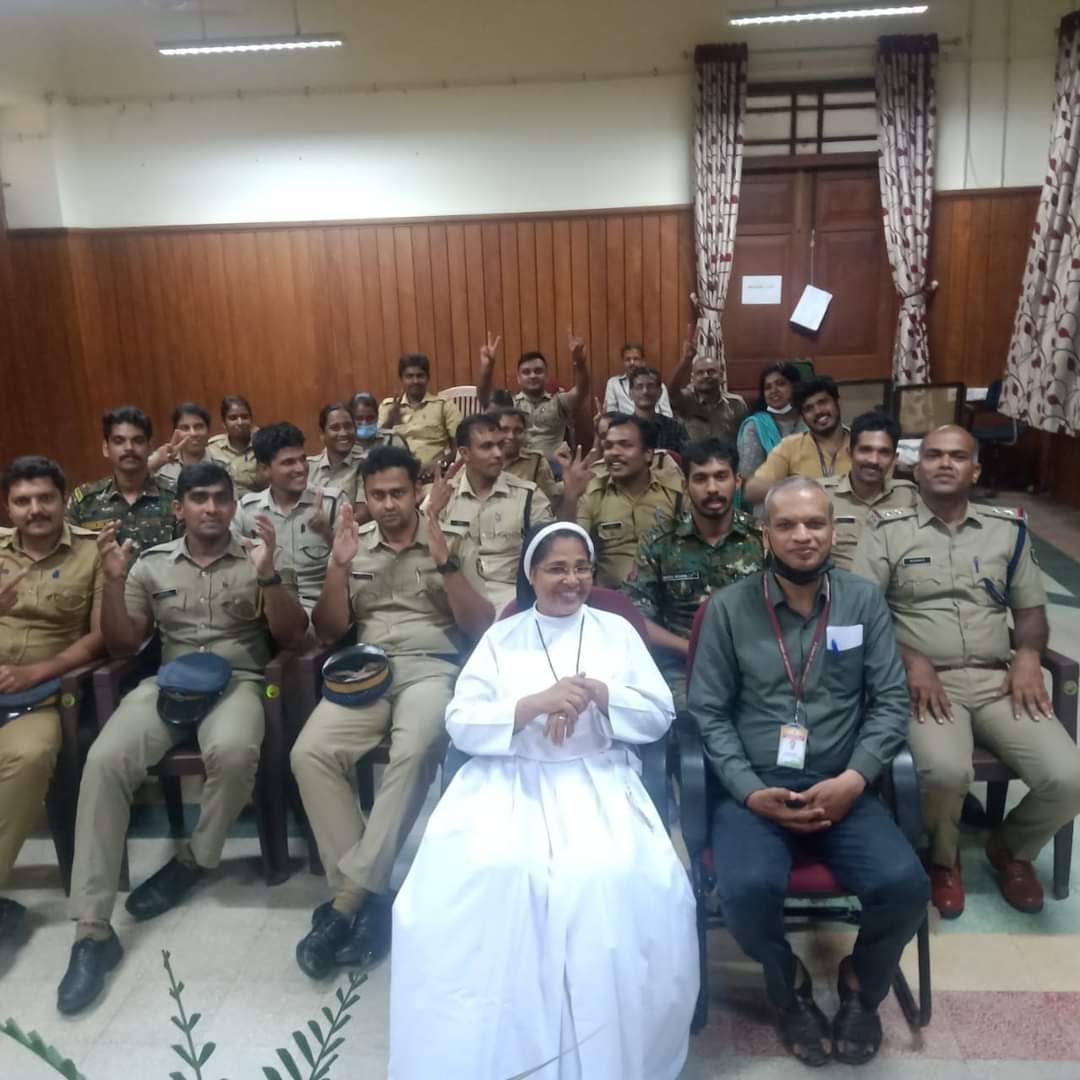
(804, 1026)
(854, 1024)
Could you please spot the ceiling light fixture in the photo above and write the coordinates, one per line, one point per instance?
(205, 46)
(797, 15)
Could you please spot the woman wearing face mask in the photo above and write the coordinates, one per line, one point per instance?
(365, 414)
(233, 447)
(772, 418)
(546, 919)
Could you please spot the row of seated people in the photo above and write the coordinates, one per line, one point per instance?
(425, 585)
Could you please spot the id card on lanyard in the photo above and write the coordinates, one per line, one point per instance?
(794, 737)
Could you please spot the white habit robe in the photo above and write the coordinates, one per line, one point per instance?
(546, 912)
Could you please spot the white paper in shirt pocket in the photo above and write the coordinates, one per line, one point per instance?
(842, 638)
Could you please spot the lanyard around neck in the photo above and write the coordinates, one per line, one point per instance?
(797, 685)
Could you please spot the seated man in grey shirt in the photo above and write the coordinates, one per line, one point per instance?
(799, 693)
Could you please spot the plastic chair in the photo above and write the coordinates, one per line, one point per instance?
(464, 397)
(858, 396)
(924, 407)
(996, 433)
(653, 755)
(113, 678)
(810, 879)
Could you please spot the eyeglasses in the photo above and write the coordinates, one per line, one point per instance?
(563, 570)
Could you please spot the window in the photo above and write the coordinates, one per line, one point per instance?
(834, 117)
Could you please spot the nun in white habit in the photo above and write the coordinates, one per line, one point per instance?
(547, 926)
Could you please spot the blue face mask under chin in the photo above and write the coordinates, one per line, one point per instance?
(367, 431)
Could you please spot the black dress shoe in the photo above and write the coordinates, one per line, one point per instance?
(163, 890)
(84, 979)
(369, 936)
(315, 952)
(12, 915)
(320, 914)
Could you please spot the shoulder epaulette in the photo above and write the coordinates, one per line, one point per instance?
(1007, 512)
(312, 458)
(163, 548)
(83, 534)
(250, 497)
(368, 526)
(6, 531)
(217, 440)
(516, 481)
(885, 516)
(92, 488)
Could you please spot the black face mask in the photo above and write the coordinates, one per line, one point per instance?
(796, 576)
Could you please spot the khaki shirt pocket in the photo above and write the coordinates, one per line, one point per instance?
(917, 580)
(241, 608)
(69, 601)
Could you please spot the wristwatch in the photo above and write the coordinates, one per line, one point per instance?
(449, 567)
(268, 582)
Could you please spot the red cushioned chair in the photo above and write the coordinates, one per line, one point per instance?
(653, 755)
(810, 878)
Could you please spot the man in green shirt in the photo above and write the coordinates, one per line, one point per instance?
(799, 693)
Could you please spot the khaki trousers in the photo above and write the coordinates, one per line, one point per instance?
(135, 738)
(29, 746)
(1041, 754)
(358, 855)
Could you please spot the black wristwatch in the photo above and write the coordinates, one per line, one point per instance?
(269, 582)
(449, 567)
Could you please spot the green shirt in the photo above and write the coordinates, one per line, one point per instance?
(855, 702)
(149, 520)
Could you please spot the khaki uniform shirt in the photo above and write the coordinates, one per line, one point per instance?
(242, 466)
(345, 476)
(170, 472)
(398, 600)
(710, 420)
(548, 416)
(149, 520)
(215, 608)
(663, 465)
(533, 466)
(617, 521)
(491, 531)
(430, 426)
(54, 600)
(850, 513)
(932, 577)
(299, 548)
(798, 455)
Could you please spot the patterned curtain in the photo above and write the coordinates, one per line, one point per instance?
(907, 118)
(718, 154)
(1042, 378)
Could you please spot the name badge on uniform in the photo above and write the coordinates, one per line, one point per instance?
(609, 528)
(791, 753)
(681, 577)
(845, 519)
(459, 524)
(363, 575)
(916, 560)
(164, 594)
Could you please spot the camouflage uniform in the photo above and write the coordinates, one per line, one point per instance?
(676, 570)
(148, 521)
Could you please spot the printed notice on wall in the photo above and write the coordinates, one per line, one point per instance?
(762, 288)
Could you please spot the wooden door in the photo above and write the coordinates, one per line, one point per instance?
(811, 226)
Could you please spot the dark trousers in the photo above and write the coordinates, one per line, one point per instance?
(865, 851)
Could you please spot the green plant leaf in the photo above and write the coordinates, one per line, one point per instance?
(324, 1070)
(271, 1073)
(315, 1030)
(177, 1076)
(205, 1052)
(184, 1056)
(287, 1061)
(193, 1019)
(301, 1041)
(176, 1020)
(328, 1014)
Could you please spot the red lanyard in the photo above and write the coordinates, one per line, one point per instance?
(797, 685)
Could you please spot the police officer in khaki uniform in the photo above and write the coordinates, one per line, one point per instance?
(188, 445)
(140, 504)
(952, 572)
(869, 487)
(427, 421)
(233, 449)
(338, 466)
(302, 516)
(394, 578)
(50, 610)
(620, 508)
(549, 415)
(489, 510)
(518, 461)
(206, 592)
(663, 464)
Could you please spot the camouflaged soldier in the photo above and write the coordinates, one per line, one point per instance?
(680, 564)
(868, 489)
(141, 505)
(952, 572)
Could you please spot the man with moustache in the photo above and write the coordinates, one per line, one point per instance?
(617, 396)
(799, 694)
(50, 614)
(140, 504)
(424, 420)
(645, 387)
(822, 450)
(618, 508)
(207, 592)
(679, 565)
(952, 572)
(707, 410)
(869, 488)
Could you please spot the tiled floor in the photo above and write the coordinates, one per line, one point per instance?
(1006, 986)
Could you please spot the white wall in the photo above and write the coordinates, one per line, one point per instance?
(552, 142)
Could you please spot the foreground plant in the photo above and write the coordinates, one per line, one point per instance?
(37, 1045)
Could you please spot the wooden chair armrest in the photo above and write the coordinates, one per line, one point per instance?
(107, 680)
(77, 680)
(1064, 673)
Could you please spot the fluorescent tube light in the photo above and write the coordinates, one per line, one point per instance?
(795, 15)
(250, 45)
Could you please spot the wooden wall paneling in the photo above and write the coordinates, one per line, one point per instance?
(513, 342)
(547, 328)
(302, 369)
(599, 348)
(357, 348)
(564, 303)
(406, 290)
(528, 301)
(393, 338)
(671, 307)
(977, 268)
(217, 287)
(467, 355)
(615, 275)
(633, 292)
(650, 284)
(687, 277)
(465, 295)
(380, 371)
(494, 315)
(330, 365)
(442, 361)
(580, 310)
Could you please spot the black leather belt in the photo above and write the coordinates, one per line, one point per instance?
(997, 665)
